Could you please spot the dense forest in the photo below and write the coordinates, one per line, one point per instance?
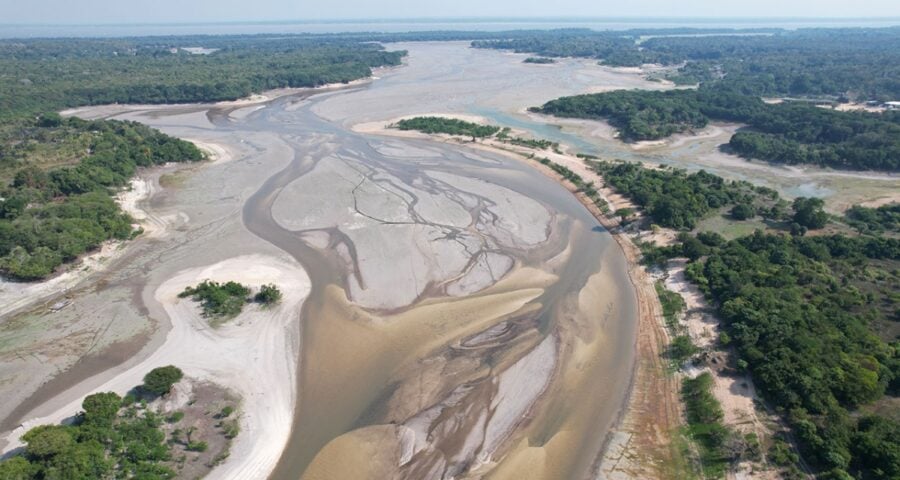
(855, 64)
(51, 216)
(790, 133)
(47, 75)
(677, 199)
(799, 311)
(57, 174)
(733, 70)
(813, 318)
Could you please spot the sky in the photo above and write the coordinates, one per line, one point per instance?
(68, 12)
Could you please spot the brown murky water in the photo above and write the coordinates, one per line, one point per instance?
(521, 379)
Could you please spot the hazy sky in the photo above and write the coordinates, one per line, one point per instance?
(148, 11)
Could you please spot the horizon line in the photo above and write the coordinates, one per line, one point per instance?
(474, 19)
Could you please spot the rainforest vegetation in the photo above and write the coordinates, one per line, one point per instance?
(813, 318)
(790, 133)
(677, 199)
(51, 214)
(733, 72)
(57, 174)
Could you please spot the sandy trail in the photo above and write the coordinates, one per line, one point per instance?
(254, 355)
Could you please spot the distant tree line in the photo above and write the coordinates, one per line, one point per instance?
(839, 64)
(54, 74)
(790, 133)
(56, 175)
(539, 60)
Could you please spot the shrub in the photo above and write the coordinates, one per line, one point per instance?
(268, 295)
(175, 417)
(743, 211)
(160, 380)
(218, 299)
(197, 446)
(682, 348)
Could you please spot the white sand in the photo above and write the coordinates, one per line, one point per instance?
(254, 355)
(216, 152)
(17, 295)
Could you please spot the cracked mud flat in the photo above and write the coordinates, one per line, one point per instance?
(466, 317)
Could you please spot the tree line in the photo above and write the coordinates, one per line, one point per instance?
(57, 175)
(789, 133)
(51, 216)
(840, 64)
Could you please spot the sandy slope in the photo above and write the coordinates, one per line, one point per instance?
(254, 355)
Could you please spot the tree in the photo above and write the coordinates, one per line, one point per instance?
(161, 379)
(624, 213)
(47, 440)
(101, 408)
(743, 211)
(809, 213)
(17, 468)
(268, 295)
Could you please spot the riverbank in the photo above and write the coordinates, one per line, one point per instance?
(641, 445)
(253, 355)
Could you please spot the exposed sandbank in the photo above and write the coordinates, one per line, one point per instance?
(254, 355)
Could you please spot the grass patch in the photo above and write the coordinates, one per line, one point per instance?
(729, 228)
(704, 415)
(672, 305)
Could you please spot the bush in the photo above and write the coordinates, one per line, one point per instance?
(682, 348)
(101, 408)
(218, 300)
(160, 380)
(198, 446)
(743, 211)
(808, 213)
(175, 417)
(268, 295)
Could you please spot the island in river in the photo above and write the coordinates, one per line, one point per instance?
(448, 311)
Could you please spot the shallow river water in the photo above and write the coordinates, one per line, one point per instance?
(468, 318)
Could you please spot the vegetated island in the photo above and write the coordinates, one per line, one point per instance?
(57, 174)
(146, 434)
(449, 126)
(539, 60)
(222, 301)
